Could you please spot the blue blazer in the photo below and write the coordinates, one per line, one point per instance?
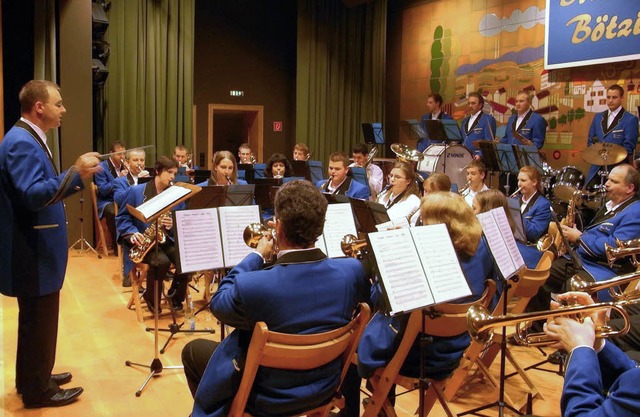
(536, 217)
(483, 128)
(589, 374)
(350, 188)
(533, 127)
(623, 131)
(104, 181)
(382, 334)
(33, 251)
(530, 254)
(126, 224)
(426, 142)
(623, 224)
(303, 292)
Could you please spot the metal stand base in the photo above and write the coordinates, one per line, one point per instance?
(175, 328)
(156, 369)
(84, 247)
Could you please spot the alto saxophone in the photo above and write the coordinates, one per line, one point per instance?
(151, 237)
(568, 220)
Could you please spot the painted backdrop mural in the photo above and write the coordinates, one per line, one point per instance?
(497, 48)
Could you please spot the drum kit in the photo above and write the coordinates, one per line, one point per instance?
(561, 186)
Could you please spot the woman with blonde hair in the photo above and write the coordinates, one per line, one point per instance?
(490, 199)
(401, 195)
(225, 170)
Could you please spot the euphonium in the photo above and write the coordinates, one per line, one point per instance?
(623, 249)
(578, 283)
(255, 231)
(151, 237)
(480, 322)
(353, 247)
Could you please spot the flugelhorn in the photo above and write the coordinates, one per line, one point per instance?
(623, 249)
(578, 283)
(255, 231)
(353, 247)
(480, 322)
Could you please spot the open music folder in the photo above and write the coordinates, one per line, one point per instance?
(161, 203)
(502, 244)
(418, 267)
(211, 238)
(338, 223)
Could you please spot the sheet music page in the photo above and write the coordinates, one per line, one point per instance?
(321, 245)
(400, 270)
(496, 233)
(339, 222)
(233, 221)
(440, 262)
(401, 222)
(162, 200)
(199, 241)
(507, 236)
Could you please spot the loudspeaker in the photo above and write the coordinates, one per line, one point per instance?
(99, 20)
(100, 72)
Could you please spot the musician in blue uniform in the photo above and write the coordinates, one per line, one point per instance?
(434, 112)
(33, 251)
(131, 233)
(442, 355)
(112, 168)
(303, 292)
(339, 183)
(599, 380)
(525, 127)
(478, 125)
(615, 125)
(535, 208)
(225, 170)
(618, 219)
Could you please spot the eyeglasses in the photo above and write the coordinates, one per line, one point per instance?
(392, 176)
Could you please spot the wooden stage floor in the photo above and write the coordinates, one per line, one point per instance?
(97, 334)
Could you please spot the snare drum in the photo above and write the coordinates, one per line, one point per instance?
(457, 159)
(568, 181)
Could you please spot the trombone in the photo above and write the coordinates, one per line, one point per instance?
(480, 322)
(589, 286)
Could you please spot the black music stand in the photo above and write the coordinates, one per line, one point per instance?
(413, 129)
(209, 196)
(249, 172)
(373, 133)
(317, 172)
(368, 214)
(301, 169)
(240, 195)
(507, 162)
(263, 193)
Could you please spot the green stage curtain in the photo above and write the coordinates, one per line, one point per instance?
(340, 73)
(149, 91)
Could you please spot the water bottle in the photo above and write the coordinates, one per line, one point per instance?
(188, 315)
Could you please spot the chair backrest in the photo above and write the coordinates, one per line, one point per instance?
(297, 352)
(530, 282)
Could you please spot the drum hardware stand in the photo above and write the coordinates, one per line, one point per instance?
(156, 366)
(84, 246)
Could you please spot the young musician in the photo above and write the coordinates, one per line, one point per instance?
(131, 233)
(185, 163)
(525, 127)
(338, 182)
(476, 172)
(490, 199)
(359, 153)
(225, 170)
(434, 112)
(304, 292)
(478, 125)
(401, 196)
(442, 355)
(245, 156)
(535, 208)
(278, 166)
(437, 181)
(301, 152)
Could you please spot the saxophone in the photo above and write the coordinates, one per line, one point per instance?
(568, 220)
(151, 236)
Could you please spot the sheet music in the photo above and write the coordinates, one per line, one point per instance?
(398, 222)
(400, 270)
(339, 222)
(501, 241)
(199, 241)
(233, 221)
(162, 200)
(321, 245)
(440, 262)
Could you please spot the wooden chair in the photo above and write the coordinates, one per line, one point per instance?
(98, 223)
(299, 352)
(449, 320)
(138, 275)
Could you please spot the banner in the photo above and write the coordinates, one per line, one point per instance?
(584, 32)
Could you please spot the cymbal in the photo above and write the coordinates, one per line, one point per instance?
(476, 143)
(604, 153)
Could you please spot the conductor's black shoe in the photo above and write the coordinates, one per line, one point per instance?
(558, 357)
(59, 379)
(60, 398)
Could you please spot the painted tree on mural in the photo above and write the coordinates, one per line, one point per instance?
(437, 58)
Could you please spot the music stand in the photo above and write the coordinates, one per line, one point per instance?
(507, 162)
(209, 196)
(239, 195)
(317, 172)
(528, 155)
(445, 131)
(373, 133)
(368, 214)
(301, 169)
(263, 191)
(201, 175)
(249, 173)
(516, 215)
(335, 198)
(359, 174)
(413, 129)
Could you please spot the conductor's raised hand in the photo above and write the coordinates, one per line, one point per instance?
(88, 164)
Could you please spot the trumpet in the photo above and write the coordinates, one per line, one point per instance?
(465, 188)
(624, 248)
(353, 247)
(579, 283)
(515, 193)
(308, 156)
(480, 322)
(255, 231)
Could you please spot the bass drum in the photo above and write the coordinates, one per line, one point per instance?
(457, 159)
